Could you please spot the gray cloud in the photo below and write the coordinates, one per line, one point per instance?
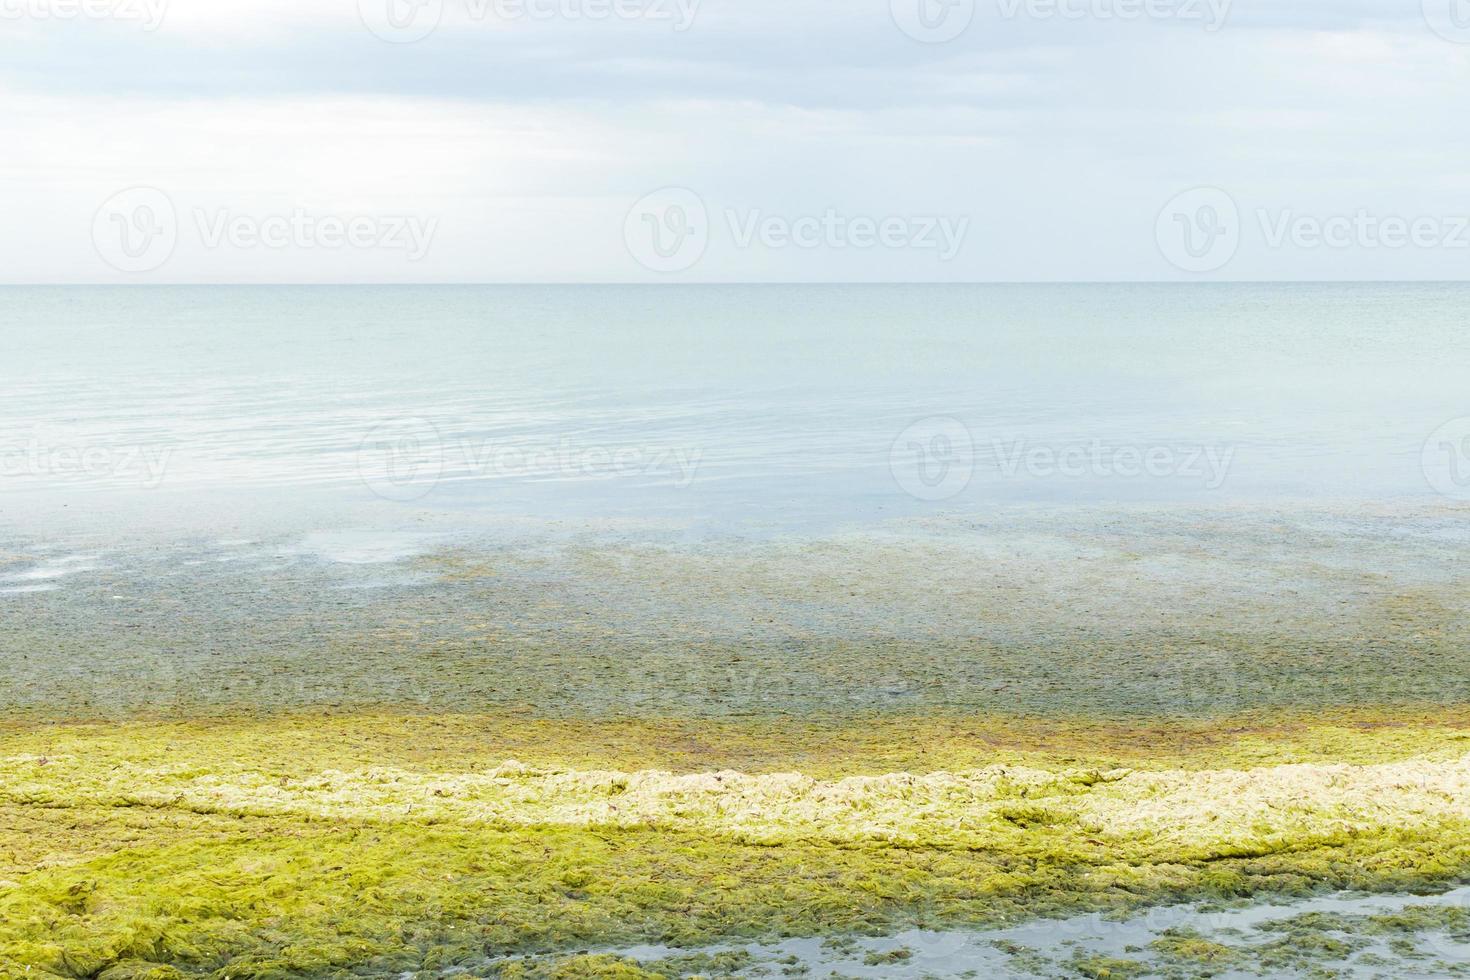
(1059, 140)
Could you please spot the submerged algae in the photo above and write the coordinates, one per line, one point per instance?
(1146, 613)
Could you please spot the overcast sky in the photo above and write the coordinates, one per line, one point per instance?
(744, 140)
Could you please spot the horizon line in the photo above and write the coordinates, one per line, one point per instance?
(740, 282)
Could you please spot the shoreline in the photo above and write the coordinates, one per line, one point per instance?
(345, 750)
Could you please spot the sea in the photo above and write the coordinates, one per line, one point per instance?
(730, 409)
(699, 501)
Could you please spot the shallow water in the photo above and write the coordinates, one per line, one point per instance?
(1054, 947)
(1132, 611)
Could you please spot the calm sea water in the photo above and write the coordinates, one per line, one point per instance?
(763, 405)
(871, 498)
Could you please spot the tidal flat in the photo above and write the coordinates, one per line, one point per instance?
(1122, 612)
(426, 750)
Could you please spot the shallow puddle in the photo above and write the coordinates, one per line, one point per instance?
(1350, 936)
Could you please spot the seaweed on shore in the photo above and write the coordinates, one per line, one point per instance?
(149, 850)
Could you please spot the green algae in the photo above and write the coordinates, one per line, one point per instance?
(296, 744)
(722, 964)
(1192, 948)
(1107, 967)
(599, 967)
(129, 850)
(1323, 944)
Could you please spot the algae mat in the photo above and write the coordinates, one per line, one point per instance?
(321, 845)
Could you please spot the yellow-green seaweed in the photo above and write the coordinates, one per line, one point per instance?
(321, 845)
